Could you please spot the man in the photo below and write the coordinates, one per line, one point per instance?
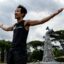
(18, 53)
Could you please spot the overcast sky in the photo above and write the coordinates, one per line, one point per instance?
(36, 10)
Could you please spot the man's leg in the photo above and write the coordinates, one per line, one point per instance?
(19, 57)
(10, 57)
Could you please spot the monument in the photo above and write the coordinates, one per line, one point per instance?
(48, 57)
(48, 53)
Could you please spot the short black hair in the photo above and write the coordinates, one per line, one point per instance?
(23, 9)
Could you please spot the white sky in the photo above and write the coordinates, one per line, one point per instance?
(36, 10)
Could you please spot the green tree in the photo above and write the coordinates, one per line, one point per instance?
(37, 54)
(35, 44)
(4, 45)
(58, 36)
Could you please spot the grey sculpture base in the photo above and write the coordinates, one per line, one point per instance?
(47, 63)
(51, 63)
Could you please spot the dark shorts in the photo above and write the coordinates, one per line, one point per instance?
(16, 56)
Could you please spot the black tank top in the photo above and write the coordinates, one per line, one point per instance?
(19, 35)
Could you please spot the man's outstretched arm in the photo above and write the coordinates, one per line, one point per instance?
(36, 22)
(6, 28)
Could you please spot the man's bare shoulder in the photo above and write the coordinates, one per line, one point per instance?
(32, 22)
(26, 22)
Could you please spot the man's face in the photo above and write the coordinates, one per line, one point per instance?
(18, 13)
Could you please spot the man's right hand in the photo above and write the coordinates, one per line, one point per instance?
(60, 10)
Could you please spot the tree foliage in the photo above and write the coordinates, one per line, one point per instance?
(59, 36)
(36, 55)
(35, 44)
(4, 45)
